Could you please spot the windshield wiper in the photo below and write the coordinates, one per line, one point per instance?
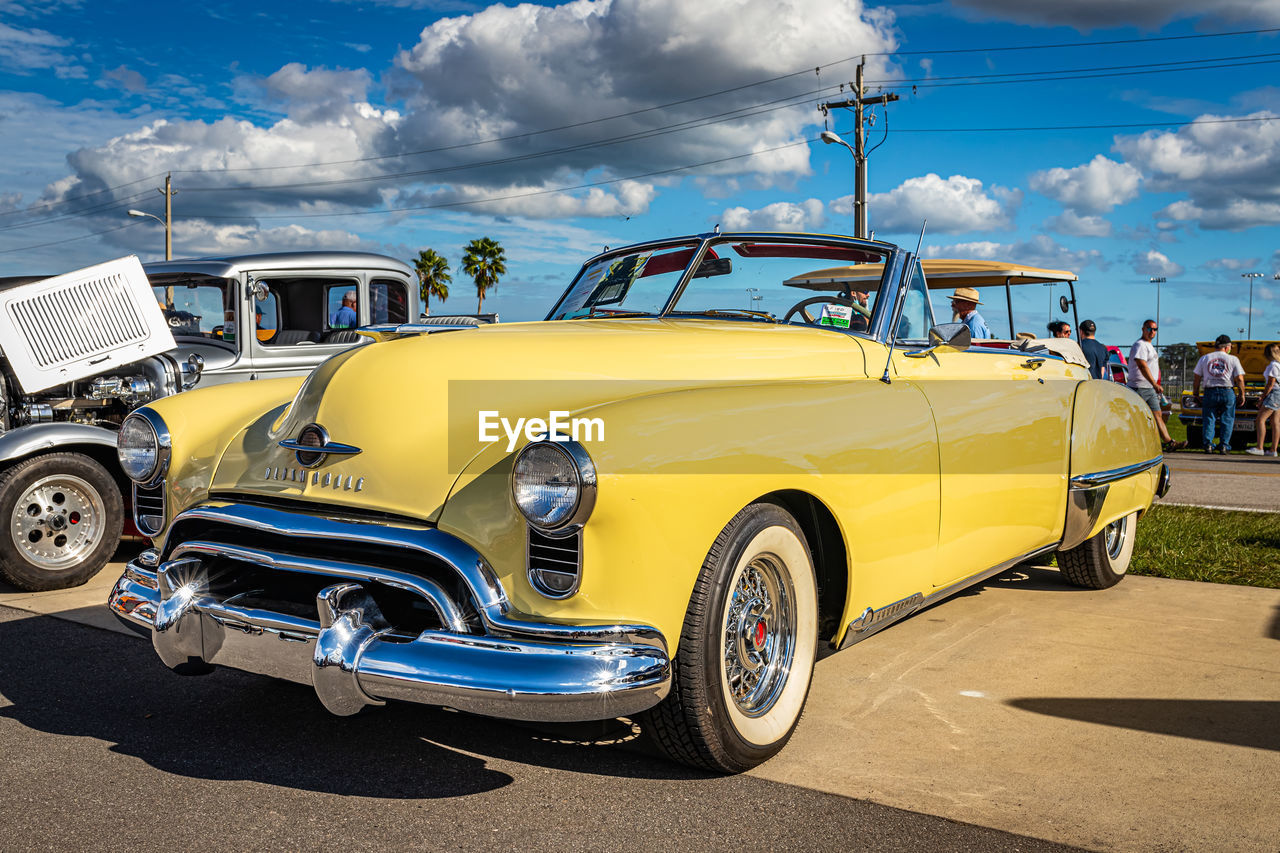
(731, 312)
(597, 311)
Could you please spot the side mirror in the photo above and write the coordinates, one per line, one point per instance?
(1064, 303)
(952, 336)
(259, 291)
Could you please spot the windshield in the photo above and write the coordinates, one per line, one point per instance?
(794, 281)
(202, 308)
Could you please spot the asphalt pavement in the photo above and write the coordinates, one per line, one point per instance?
(1015, 715)
(1234, 481)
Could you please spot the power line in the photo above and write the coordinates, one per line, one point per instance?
(1091, 76)
(1195, 62)
(1083, 126)
(51, 204)
(730, 90)
(69, 239)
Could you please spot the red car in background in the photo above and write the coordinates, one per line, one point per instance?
(1117, 365)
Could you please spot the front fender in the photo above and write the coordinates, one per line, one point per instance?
(203, 423)
(35, 438)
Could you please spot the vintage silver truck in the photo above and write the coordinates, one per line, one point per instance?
(80, 351)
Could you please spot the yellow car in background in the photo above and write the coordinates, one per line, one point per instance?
(716, 453)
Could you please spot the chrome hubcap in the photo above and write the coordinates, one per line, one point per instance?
(58, 522)
(1114, 535)
(759, 635)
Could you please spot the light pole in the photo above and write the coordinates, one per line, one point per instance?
(751, 298)
(1158, 280)
(1251, 276)
(859, 212)
(168, 241)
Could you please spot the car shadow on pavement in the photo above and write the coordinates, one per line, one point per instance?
(1238, 722)
(76, 681)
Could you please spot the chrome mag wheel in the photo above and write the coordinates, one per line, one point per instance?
(1115, 535)
(57, 521)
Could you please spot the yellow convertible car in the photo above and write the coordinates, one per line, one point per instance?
(715, 454)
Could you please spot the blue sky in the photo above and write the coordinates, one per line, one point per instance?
(557, 129)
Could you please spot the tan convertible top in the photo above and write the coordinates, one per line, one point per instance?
(940, 273)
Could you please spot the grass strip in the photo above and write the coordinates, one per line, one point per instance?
(1214, 545)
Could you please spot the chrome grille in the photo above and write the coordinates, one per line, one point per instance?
(84, 319)
(555, 564)
(148, 509)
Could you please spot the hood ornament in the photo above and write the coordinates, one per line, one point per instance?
(312, 445)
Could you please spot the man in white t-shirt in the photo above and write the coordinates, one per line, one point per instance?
(1218, 372)
(1144, 379)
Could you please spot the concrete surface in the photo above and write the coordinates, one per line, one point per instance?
(1236, 481)
(1145, 717)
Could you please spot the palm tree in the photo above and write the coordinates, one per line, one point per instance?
(484, 260)
(433, 277)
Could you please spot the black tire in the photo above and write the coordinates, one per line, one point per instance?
(62, 515)
(1101, 560)
(721, 714)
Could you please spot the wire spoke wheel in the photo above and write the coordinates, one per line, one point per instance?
(759, 635)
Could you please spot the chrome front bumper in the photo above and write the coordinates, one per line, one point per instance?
(354, 658)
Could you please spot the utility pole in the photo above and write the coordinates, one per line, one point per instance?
(859, 103)
(1158, 280)
(168, 192)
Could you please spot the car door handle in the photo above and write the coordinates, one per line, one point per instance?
(1032, 363)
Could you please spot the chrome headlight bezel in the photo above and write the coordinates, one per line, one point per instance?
(574, 457)
(161, 447)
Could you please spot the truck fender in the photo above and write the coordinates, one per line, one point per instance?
(31, 439)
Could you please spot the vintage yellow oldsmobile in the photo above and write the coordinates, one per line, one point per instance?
(716, 454)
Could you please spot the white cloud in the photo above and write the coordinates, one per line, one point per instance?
(1088, 15)
(779, 216)
(1231, 264)
(951, 205)
(1229, 171)
(478, 90)
(29, 51)
(1092, 188)
(1156, 263)
(1070, 223)
(1039, 251)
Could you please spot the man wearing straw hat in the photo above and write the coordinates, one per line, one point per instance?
(964, 304)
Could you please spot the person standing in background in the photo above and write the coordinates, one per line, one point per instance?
(1094, 352)
(1269, 406)
(1218, 371)
(1144, 380)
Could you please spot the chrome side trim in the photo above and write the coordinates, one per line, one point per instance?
(491, 600)
(858, 629)
(1088, 481)
(874, 620)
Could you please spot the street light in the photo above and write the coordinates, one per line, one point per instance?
(1158, 280)
(168, 245)
(751, 298)
(1251, 276)
(830, 137)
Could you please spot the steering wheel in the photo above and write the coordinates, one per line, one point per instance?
(802, 307)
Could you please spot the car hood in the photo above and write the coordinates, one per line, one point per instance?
(411, 406)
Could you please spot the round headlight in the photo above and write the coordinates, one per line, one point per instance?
(143, 446)
(554, 484)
